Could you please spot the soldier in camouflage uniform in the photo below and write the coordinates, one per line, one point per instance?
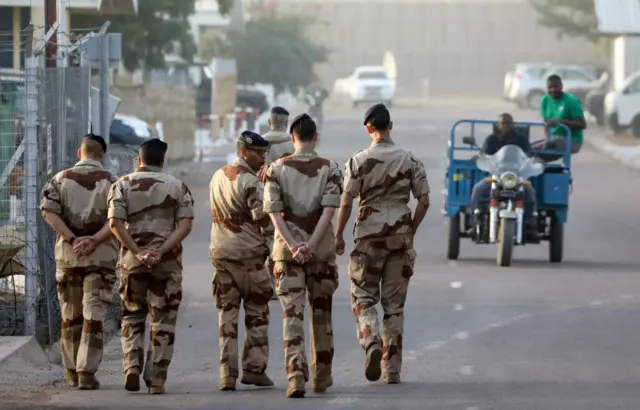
(238, 251)
(301, 194)
(382, 177)
(74, 203)
(158, 211)
(280, 145)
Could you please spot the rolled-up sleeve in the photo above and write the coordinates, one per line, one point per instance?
(419, 183)
(117, 202)
(51, 200)
(333, 188)
(185, 204)
(255, 197)
(272, 191)
(352, 181)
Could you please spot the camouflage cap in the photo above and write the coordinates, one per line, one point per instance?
(377, 110)
(253, 141)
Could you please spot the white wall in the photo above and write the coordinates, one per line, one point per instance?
(626, 58)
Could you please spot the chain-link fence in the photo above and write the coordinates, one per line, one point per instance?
(60, 114)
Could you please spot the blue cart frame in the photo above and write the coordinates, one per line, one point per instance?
(552, 187)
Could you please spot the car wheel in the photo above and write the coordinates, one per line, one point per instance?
(534, 99)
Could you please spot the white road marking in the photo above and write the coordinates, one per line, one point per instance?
(462, 335)
(467, 370)
(344, 400)
(597, 303)
(456, 285)
(459, 308)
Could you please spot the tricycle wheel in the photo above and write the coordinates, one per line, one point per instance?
(453, 238)
(556, 240)
(506, 234)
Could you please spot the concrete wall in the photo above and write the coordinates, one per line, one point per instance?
(625, 58)
(174, 106)
(463, 47)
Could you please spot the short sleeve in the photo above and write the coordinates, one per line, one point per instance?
(419, 183)
(352, 181)
(51, 200)
(272, 190)
(575, 108)
(117, 202)
(185, 204)
(255, 198)
(333, 188)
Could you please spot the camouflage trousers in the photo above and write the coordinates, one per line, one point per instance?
(157, 294)
(84, 294)
(246, 282)
(380, 270)
(320, 281)
(269, 263)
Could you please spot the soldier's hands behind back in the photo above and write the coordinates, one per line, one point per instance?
(84, 246)
(340, 245)
(302, 253)
(149, 257)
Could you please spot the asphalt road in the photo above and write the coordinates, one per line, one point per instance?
(532, 336)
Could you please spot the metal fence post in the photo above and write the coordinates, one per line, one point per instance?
(104, 83)
(31, 182)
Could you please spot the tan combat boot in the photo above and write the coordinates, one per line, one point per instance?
(392, 378)
(132, 380)
(296, 388)
(71, 377)
(255, 379)
(373, 370)
(228, 384)
(321, 386)
(156, 390)
(87, 381)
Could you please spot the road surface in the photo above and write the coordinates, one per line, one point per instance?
(529, 337)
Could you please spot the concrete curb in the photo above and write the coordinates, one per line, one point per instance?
(21, 348)
(627, 156)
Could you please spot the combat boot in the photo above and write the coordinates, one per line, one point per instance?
(255, 379)
(71, 377)
(156, 390)
(392, 378)
(132, 380)
(296, 388)
(373, 370)
(321, 386)
(87, 381)
(228, 384)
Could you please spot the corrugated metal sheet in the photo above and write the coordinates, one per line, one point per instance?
(618, 17)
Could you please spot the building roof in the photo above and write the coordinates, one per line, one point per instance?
(618, 17)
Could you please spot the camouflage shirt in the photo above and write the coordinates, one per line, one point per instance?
(280, 145)
(151, 203)
(236, 195)
(382, 177)
(79, 196)
(300, 186)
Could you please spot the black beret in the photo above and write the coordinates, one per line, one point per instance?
(277, 110)
(252, 140)
(374, 111)
(98, 139)
(155, 143)
(297, 120)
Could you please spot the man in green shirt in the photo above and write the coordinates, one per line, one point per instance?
(559, 107)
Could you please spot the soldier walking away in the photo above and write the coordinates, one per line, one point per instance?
(280, 145)
(302, 192)
(74, 204)
(381, 265)
(158, 211)
(238, 251)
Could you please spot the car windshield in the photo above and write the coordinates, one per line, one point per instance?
(510, 158)
(372, 75)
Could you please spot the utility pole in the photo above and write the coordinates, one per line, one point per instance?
(50, 19)
(63, 39)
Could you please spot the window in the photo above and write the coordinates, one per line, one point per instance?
(575, 75)
(372, 75)
(633, 87)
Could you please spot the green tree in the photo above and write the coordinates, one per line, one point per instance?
(161, 27)
(573, 18)
(276, 49)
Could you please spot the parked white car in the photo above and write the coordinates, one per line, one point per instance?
(523, 70)
(622, 106)
(529, 86)
(371, 84)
